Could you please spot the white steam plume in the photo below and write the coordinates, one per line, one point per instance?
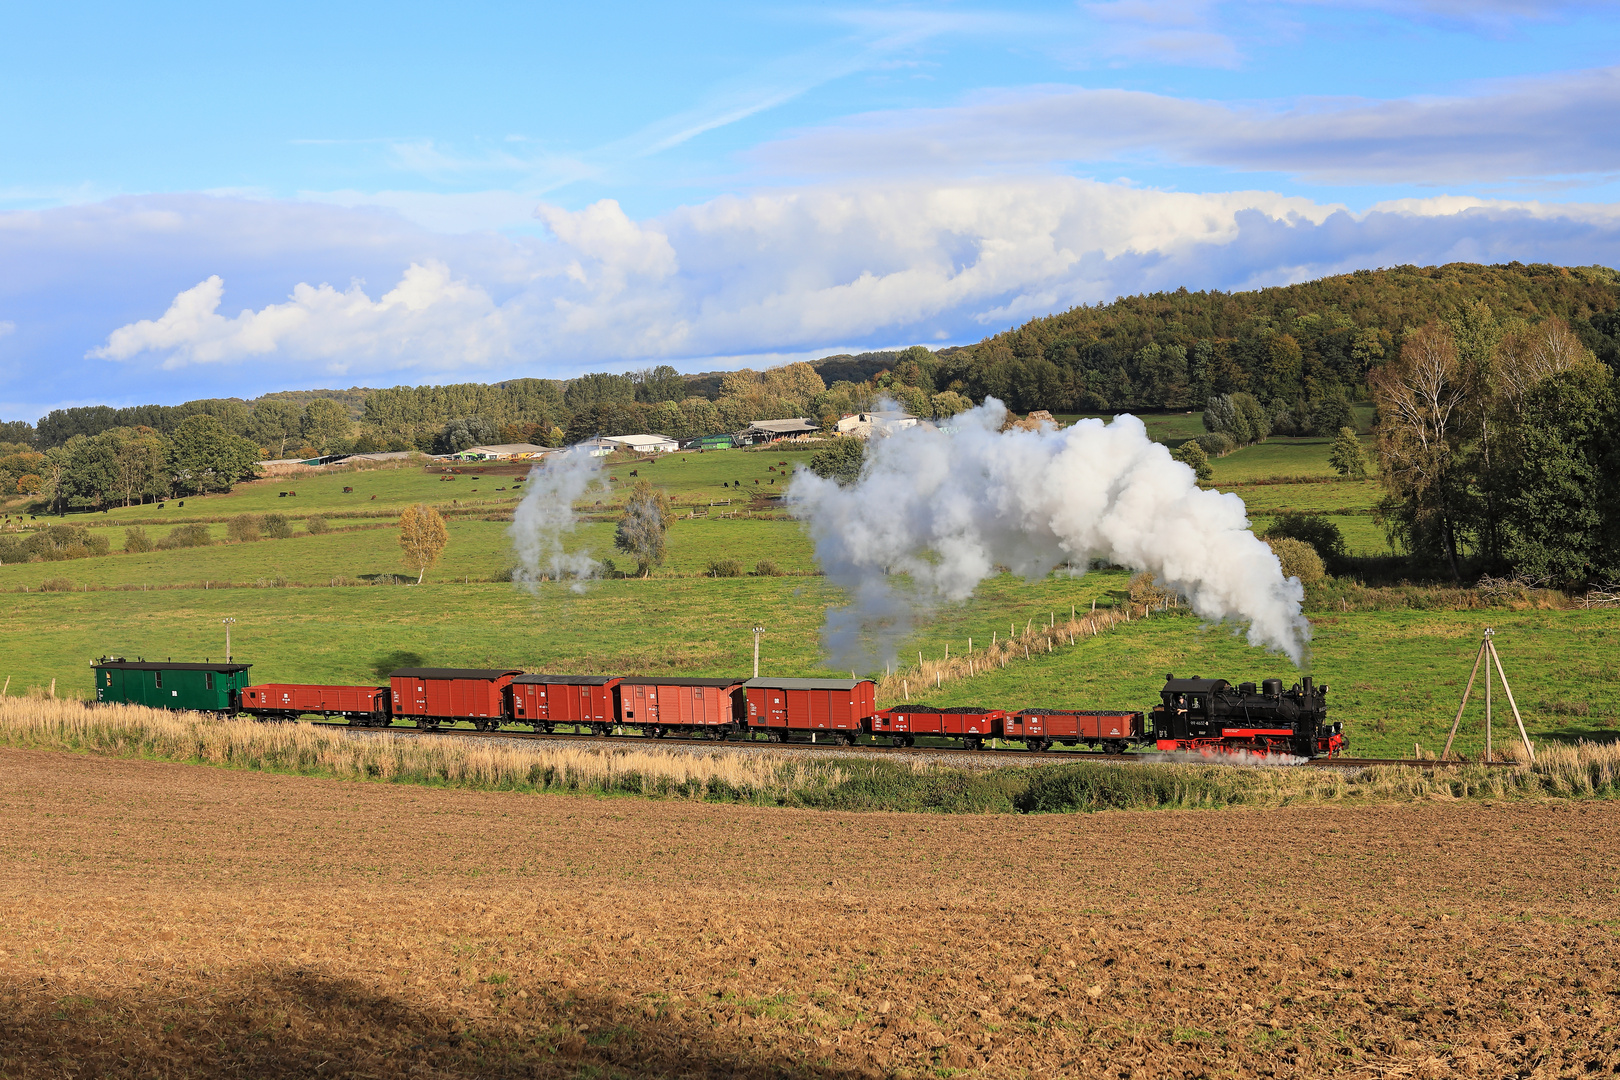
(546, 514)
(947, 508)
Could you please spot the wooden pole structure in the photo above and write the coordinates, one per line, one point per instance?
(1508, 690)
(1489, 753)
(1478, 659)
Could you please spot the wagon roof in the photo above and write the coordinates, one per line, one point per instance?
(451, 673)
(805, 684)
(164, 665)
(651, 681)
(566, 680)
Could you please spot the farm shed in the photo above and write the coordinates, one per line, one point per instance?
(766, 431)
(167, 685)
(646, 444)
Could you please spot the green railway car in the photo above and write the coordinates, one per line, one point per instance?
(165, 685)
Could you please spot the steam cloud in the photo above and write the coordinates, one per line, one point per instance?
(947, 508)
(546, 514)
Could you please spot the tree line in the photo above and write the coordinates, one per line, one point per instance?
(123, 466)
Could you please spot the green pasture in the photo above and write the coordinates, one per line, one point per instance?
(480, 550)
(698, 626)
(1394, 678)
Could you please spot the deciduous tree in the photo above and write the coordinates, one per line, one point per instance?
(642, 531)
(422, 538)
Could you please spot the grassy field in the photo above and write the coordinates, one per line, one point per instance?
(1395, 674)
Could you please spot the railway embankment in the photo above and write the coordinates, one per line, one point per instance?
(729, 775)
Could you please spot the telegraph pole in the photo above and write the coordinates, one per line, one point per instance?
(227, 623)
(758, 630)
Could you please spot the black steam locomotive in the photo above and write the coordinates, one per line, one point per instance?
(1205, 714)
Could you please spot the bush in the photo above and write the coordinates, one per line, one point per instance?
(1145, 589)
(1216, 443)
(243, 528)
(317, 525)
(186, 536)
(767, 568)
(1192, 455)
(1299, 560)
(725, 568)
(136, 541)
(1314, 529)
(277, 526)
(53, 543)
(841, 461)
(58, 584)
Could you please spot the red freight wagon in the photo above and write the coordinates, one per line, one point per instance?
(779, 706)
(548, 700)
(970, 723)
(662, 705)
(361, 704)
(436, 696)
(1040, 728)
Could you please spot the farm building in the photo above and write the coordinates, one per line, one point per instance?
(502, 452)
(598, 447)
(646, 444)
(766, 431)
(865, 425)
(710, 442)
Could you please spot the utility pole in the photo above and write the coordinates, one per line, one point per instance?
(758, 630)
(227, 623)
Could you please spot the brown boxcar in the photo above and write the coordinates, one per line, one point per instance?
(364, 705)
(434, 696)
(1040, 728)
(779, 706)
(972, 724)
(661, 705)
(548, 700)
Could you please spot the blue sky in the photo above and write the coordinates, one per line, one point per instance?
(207, 200)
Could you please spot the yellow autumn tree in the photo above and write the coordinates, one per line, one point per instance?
(422, 536)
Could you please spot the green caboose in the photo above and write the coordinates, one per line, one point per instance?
(165, 685)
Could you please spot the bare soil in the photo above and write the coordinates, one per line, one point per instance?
(178, 921)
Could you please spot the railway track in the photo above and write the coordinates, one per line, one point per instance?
(868, 748)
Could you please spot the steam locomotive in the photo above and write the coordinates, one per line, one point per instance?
(1197, 714)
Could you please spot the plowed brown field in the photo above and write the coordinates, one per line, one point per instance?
(168, 920)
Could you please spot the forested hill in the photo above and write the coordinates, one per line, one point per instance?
(1316, 339)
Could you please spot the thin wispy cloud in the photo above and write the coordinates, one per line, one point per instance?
(1552, 126)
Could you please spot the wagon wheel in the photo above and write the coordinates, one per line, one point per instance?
(975, 743)
(777, 736)
(598, 730)
(849, 738)
(426, 723)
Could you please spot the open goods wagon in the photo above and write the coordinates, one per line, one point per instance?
(1040, 728)
(971, 723)
(361, 705)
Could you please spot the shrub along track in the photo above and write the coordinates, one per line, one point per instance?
(160, 919)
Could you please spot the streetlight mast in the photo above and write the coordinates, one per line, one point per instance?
(227, 623)
(758, 630)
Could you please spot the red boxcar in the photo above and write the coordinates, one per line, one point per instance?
(660, 705)
(904, 723)
(778, 706)
(360, 704)
(1040, 728)
(548, 700)
(435, 696)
